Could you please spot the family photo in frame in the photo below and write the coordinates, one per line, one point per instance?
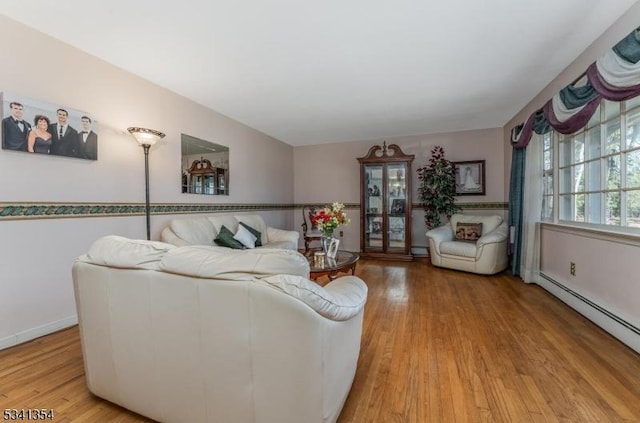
(34, 126)
(470, 177)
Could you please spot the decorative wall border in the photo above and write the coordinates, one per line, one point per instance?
(27, 210)
(23, 210)
(483, 206)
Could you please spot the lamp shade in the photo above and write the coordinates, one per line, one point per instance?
(145, 136)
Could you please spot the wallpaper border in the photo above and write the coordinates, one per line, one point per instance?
(23, 210)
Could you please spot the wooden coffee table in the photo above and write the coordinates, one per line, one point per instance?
(344, 262)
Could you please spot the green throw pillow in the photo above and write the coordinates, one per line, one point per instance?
(255, 233)
(225, 239)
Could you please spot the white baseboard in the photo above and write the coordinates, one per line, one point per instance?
(619, 328)
(33, 333)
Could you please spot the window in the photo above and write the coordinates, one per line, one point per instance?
(598, 169)
(547, 176)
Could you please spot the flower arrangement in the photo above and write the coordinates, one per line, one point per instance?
(328, 218)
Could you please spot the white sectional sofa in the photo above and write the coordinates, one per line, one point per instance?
(203, 230)
(210, 334)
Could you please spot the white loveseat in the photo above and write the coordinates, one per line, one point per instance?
(203, 230)
(210, 334)
(487, 255)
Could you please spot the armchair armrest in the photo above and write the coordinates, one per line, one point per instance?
(440, 234)
(496, 236)
(275, 234)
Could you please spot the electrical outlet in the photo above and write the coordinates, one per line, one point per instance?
(341, 233)
(572, 269)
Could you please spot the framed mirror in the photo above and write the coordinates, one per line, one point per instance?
(205, 167)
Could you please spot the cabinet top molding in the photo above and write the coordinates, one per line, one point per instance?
(386, 154)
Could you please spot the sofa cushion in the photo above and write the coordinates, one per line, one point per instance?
(195, 231)
(257, 222)
(220, 220)
(222, 263)
(255, 233)
(341, 300)
(245, 237)
(225, 239)
(489, 223)
(117, 251)
(468, 231)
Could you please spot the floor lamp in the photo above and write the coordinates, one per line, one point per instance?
(146, 138)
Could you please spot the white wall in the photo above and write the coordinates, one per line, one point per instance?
(36, 255)
(331, 172)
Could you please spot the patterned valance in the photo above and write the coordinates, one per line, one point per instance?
(615, 76)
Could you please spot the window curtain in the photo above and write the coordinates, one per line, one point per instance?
(516, 204)
(615, 76)
(531, 211)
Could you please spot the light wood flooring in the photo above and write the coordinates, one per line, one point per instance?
(438, 346)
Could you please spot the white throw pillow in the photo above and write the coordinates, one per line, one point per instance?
(256, 222)
(245, 237)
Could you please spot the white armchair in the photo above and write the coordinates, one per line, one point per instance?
(487, 255)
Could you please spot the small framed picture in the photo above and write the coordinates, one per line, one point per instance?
(470, 177)
(333, 248)
(397, 206)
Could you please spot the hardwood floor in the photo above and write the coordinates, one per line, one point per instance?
(437, 346)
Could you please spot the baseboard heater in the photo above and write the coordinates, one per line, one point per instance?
(633, 343)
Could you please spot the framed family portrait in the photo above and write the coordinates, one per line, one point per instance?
(470, 177)
(35, 126)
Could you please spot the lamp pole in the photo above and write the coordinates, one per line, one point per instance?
(147, 207)
(146, 138)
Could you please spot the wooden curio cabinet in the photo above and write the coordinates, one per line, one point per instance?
(385, 203)
(206, 179)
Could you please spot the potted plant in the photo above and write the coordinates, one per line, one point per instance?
(437, 188)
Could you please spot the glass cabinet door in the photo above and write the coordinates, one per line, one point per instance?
(209, 183)
(374, 206)
(196, 184)
(396, 205)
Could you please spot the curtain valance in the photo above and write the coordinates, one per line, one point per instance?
(615, 76)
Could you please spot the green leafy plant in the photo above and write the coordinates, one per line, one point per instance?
(437, 188)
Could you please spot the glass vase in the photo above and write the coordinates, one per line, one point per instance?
(327, 237)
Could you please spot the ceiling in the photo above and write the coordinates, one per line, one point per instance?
(339, 70)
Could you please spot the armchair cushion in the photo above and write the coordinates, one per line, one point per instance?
(457, 248)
